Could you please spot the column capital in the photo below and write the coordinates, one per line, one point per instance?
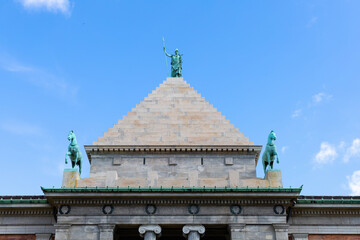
(236, 227)
(62, 227)
(281, 227)
(149, 228)
(106, 227)
(193, 228)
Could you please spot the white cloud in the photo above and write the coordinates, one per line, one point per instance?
(353, 150)
(62, 6)
(283, 149)
(296, 113)
(319, 97)
(315, 100)
(354, 183)
(17, 68)
(21, 128)
(39, 77)
(327, 154)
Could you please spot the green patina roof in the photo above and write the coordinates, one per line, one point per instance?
(22, 199)
(328, 200)
(172, 189)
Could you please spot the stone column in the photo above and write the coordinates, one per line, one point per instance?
(106, 231)
(237, 231)
(62, 231)
(150, 232)
(281, 231)
(300, 236)
(193, 232)
(43, 236)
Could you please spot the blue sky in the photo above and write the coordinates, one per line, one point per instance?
(287, 66)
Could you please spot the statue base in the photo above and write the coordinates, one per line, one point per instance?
(70, 178)
(274, 178)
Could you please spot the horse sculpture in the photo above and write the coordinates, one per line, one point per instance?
(270, 152)
(73, 151)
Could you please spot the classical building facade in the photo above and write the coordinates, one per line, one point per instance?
(175, 168)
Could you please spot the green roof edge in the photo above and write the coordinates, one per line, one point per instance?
(328, 201)
(173, 189)
(20, 201)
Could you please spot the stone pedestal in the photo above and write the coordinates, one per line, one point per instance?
(274, 178)
(106, 231)
(237, 231)
(193, 232)
(281, 231)
(300, 236)
(70, 178)
(150, 232)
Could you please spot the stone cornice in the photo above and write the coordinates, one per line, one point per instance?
(313, 209)
(173, 190)
(324, 211)
(93, 149)
(256, 196)
(97, 202)
(26, 210)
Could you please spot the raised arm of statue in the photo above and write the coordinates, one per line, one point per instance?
(166, 53)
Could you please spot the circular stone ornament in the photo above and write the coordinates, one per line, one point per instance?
(150, 209)
(235, 209)
(64, 209)
(279, 209)
(108, 209)
(193, 209)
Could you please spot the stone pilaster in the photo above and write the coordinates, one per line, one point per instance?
(300, 236)
(193, 232)
(150, 232)
(281, 231)
(43, 236)
(62, 231)
(106, 231)
(237, 231)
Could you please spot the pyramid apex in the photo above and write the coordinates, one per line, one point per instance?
(173, 114)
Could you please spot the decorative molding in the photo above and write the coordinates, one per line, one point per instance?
(93, 149)
(235, 209)
(193, 209)
(309, 212)
(157, 148)
(108, 209)
(279, 209)
(26, 212)
(150, 209)
(64, 209)
(264, 202)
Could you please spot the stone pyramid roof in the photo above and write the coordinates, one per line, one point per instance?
(173, 114)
